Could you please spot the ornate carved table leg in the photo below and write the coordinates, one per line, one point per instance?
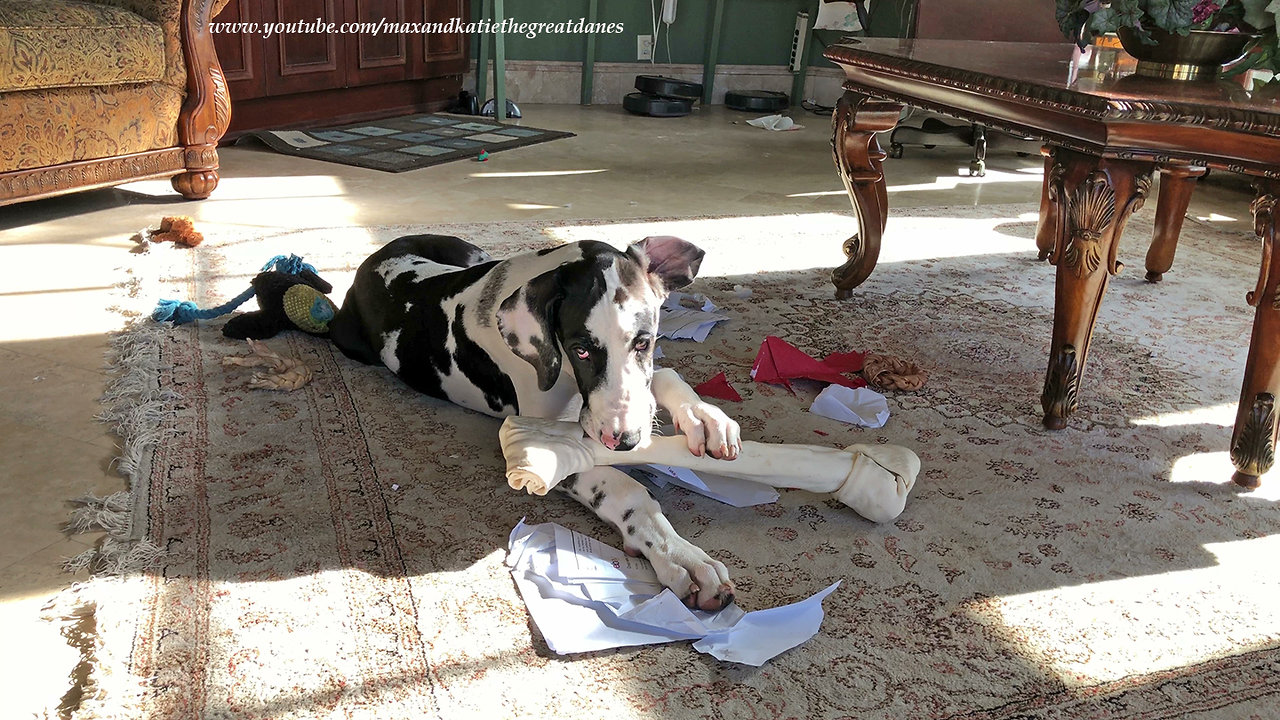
(206, 113)
(860, 161)
(1090, 199)
(1254, 440)
(1176, 184)
(1048, 222)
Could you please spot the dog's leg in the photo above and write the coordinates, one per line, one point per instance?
(706, 427)
(346, 330)
(623, 502)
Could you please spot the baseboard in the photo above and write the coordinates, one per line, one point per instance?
(560, 82)
(340, 106)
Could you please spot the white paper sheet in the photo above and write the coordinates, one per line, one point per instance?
(771, 632)
(686, 316)
(860, 406)
(681, 323)
(630, 607)
(730, 491)
(691, 301)
(778, 123)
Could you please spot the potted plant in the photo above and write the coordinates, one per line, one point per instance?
(1180, 38)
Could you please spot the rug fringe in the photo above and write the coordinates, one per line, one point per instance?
(95, 616)
(99, 684)
(137, 409)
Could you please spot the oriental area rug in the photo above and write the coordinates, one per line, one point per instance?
(337, 551)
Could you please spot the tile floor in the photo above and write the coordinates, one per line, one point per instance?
(57, 258)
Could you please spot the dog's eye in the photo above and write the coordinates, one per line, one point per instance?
(642, 344)
(581, 352)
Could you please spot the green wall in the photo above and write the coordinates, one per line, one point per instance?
(754, 32)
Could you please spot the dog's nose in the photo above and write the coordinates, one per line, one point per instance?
(623, 442)
(628, 440)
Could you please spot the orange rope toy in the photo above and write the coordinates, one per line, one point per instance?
(885, 372)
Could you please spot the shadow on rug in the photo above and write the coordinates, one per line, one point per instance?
(337, 551)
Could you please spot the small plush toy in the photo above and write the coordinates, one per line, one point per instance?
(285, 301)
(178, 229)
(290, 295)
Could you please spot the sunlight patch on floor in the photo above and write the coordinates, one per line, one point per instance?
(533, 206)
(780, 243)
(253, 188)
(1215, 468)
(944, 182)
(1223, 414)
(536, 173)
(1151, 623)
(52, 291)
(24, 628)
(276, 201)
(820, 193)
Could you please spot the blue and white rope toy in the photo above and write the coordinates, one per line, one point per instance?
(180, 312)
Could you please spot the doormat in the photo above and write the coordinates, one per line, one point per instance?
(404, 143)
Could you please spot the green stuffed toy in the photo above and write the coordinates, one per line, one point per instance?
(290, 296)
(285, 301)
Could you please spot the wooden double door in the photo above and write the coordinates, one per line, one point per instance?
(301, 76)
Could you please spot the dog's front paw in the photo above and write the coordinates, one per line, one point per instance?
(708, 430)
(699, 580)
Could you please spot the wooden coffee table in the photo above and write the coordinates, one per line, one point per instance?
(1106, 130)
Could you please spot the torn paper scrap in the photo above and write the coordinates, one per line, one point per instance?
(850, 362)
(859, 406)
(765, 634)
(693, 301)
(581, 614)
(778, 123)
(719, 388)
(778, 361)
(730, 491)
(682, 323)
(580, 557)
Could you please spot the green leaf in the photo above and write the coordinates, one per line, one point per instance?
(1070, 17)
(1126, 13)
(1171, 15)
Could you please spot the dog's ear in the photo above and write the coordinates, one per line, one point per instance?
(526, 320)
(670, 258)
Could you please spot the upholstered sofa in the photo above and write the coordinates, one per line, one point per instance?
(99, 92)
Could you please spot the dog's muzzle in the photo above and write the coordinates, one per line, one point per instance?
(623, 442)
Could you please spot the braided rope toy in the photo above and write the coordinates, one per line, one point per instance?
(886, 372)
(180, 312)
(290, 296)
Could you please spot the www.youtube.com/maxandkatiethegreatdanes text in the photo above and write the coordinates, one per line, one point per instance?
(384, 26)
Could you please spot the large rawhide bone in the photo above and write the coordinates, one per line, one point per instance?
(874, 480)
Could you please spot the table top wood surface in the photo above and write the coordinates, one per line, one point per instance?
(1095, 105)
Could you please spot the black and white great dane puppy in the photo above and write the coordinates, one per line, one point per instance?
(563, 333)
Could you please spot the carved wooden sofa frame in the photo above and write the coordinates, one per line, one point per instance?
(192, 163)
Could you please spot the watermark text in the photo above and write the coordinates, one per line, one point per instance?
(383, 26)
